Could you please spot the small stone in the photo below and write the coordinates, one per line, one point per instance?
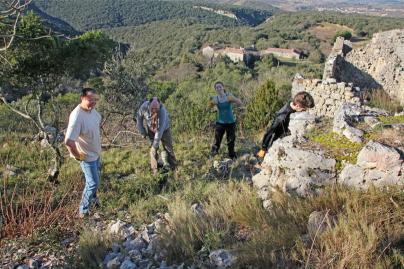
(116, 247)
(137, 243)
(109, 257)
(222, 258)
(135, 254)
(151, 228)
(198, 209)
(163, 265)
(10, 171)
(353, 134)
(114, 263)
(127, 264)
(116, 227)
(144, 263)
(371, 121)
(23, 266)
(145, 235)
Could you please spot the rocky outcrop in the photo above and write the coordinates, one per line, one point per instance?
(377, 165)
(348, 115)
(293, 169)
(380, 64)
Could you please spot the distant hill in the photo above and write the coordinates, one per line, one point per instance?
(93, 14)
(56, 24)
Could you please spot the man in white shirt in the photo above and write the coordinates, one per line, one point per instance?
(84, 144)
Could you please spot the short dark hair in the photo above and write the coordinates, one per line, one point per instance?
(304, 100)
(218, 82)
(85, 91)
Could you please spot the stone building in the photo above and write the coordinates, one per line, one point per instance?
(235, 54)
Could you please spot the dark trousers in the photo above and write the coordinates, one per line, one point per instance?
(230, 130)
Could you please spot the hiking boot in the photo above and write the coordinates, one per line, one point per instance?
(232, 155)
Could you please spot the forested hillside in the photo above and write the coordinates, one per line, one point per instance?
(86, 14)
(162, 44)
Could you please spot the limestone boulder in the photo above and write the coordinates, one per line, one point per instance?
(377, 164)
(294, 170)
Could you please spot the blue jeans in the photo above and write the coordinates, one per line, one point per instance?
(91, 172)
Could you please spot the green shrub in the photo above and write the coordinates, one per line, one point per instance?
(263, 106)
(345, 34)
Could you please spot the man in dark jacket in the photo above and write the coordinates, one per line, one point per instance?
(280, 126)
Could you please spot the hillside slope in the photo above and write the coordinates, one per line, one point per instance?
(86, 14)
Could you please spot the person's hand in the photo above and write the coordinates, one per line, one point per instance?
(153, 151)
(81, 156)
(155, 144)
(261, 153)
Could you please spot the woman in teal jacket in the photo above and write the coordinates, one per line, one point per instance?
(225, 121)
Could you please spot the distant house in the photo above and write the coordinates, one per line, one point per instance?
(235, 54)
(211, 50)
(285, 53)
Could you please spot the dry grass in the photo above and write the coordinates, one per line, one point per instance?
(23, 211)
(93, 247)
(369, 230)
(380, 99)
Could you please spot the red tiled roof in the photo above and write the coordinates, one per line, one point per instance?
(234, 50)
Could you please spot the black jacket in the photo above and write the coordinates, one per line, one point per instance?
(279, 126)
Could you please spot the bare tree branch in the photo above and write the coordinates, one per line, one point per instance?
(22, 114)
(14, 8)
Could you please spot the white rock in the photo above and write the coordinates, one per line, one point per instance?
(116, 227)
(293, 170)
(114, 263)
(222, 258)
(300, 123)
(198, 209)
(379, 156)
(377, 164)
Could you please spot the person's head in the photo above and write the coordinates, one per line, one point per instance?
(302, 101)
(219, 87)
(88, 98)
(154, 105)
